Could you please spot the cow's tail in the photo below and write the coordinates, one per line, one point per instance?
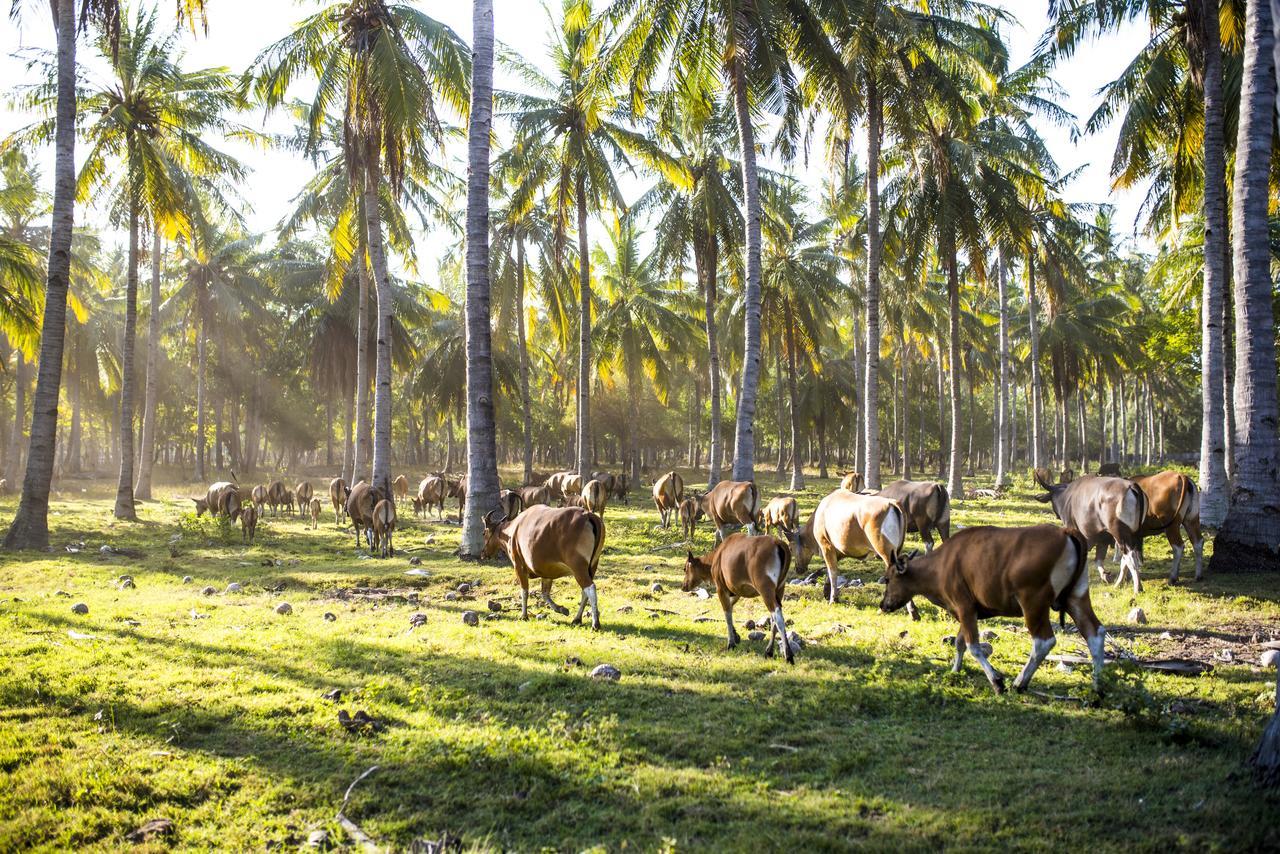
(1082, 563)
(1140, 507)
(597, 525)
(943, 512)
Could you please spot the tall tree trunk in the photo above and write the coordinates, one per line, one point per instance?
(797, 462)
(782, 413)
(942, 403)
(1003, 421)
(30, 528)
(1213, 473)
(381, 476)
(1036, 439)
(583, 463)
(1250, 535)
(744, 449)
(360, 451)
(124, 487)
(147, 460)
(526, 409)
(871, 405)
(906, 410)
(348, 445)
(482, 454)
(328, 433)
(202, 346)
(953, 356)
(709, 264)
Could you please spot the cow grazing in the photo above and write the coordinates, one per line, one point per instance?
(249, 522)
(668, 492)
(549, 543)
(276, 493)
(509, 503)
(290, 505)
(460, 492)
(620, 489)
(431, 493)
(1173, 504)
(259, 497)
(400, 488)
(315, 507)
(852, 481)
(1004, 572)
(338, 492)
(850, 524)
(221, 499)
(1105, 510)
(926, 505)
(746, 566)
(690, 513)
(531, 495)
(732, 503)
(384, 525)
(595, 495)
(609, 481)
(782, 513)
(360, 505)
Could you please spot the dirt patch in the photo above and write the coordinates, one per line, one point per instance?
(375, 594)
(1231, 643)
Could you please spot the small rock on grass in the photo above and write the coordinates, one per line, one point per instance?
(79, 608)
(463, 589)
(329, 616)
(209, 591)
(750, 624)
(797, 643)
(284, 609)
(186, 579)
(318, 839)
(126, 582)
(1139, 616)
(949, 640)
(755, 636)
(606, 671)
(702, 593)
(655, 587)
(417, 619)
(154, 828)
(495, 605)
(471, 618)
(415, 561)
(988, 635)
(451, 596)
(235, 587)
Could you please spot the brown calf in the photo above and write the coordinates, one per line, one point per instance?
(384, 525)
(259, 497)
(595, 495)
(732, 503)
(1173, 503)
(249, 522)
(431, 493)
(783, 513)
(690, 513)
(668, 492)
(746, 566)
(315, 513)
(549, 543)
(1105, 510)
(400, 488)
(850, 524)
(926, 506)
(1004, 572)
(338, 493)
(304, 492)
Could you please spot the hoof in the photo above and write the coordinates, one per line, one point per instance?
(770, 650)
(561, 610)
(1019, 689)
(791, 659)
(1173, 581)
(595, 625)
(998, 684)
(576, 621)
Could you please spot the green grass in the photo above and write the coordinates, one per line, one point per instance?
(209, 710)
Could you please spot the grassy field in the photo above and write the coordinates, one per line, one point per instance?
(211, 710)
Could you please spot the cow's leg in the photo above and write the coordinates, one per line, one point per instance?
(831, 559)
(912, 610)
(1131, 562)
(545, 595)
(777, 624)
(1174, 535)
(926, 535)
(1040, 627)
(1100, 556)
(1081, 610)
(969, 630)
(524, 599)
(595, 606)
(959, 659)
(726, 604)
(719, 534)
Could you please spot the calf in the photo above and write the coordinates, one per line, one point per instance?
(276, 496)
(290, 505)
(249, 522)
(1105, 510)
(338, 493)
(1173, 503)
(732, 503)
(531, 495)
(360, 505)
(594, 496)
(400, 488)
(509, 503)
(690, 513)
(746, 566)
(852, 481)
(384, 525)
(1004, 572)
(549, 543)
(782, 513)
(925, 504)
(431, 493)
(315, 508)
(304, 492)
(459, 491)
(668, 492)
(850, 524)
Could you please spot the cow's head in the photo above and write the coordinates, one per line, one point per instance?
(696, 571)
(898, 583)
(493, 539)
(804, 546)
(202, 505)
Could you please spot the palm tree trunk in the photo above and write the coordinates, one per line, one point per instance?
(1037, 390)
(360, 453)
(30, 528)
(709, 264)
(147, 460)
(782, 414)
(797, 461)
(124, 487)
(381, 477)
(1250, 535)
(202, 347)
(583, 463)
(871, 405)
(1003, 421)
(526, 410)
(906, 410)
(1213, 473)
(744, 449)
(348, 445)
(953, 356)
(482, 454)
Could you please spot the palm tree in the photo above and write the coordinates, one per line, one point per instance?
(1250, 535)
(482, 454)
(754, 46)
(389, 63)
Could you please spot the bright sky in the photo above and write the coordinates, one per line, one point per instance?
(239, 29)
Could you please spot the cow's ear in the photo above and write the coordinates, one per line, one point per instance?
(884, 579)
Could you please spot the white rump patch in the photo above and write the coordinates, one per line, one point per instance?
(891, 528)
(1128, 512)
(773, 568)
(1063, 569)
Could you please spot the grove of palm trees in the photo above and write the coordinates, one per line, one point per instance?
(339, 339)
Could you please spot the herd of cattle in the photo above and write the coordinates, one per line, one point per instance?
(978, 572)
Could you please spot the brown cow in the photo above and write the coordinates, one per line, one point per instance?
(852, 481)
(850, 524)
(303, 492)
(926, 506)
(1173, 503)
(531, 495)
(609, 481)
(315, 513)
(1105, 510)
(432, 492)
(249, 522)
(338, 493)
(276, 495)
(221, 499)
(1109, 470)
(259, 497)
(595, 495)
(400, 487)
(384, 525)
(690, 513)
(746, 566)
(1004, 572)
(555, 484)
(549, 543)
(783, 513)
(732, 503)
(289, 505)
(668, 492)
(360, 505)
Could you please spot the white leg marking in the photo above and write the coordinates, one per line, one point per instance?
(1199, 547)
(1039, 649)
(781, 625)
(1177, 562)
(595, 606)
(728, 620)
(955, 665)
(1096, 645)
(993, 676)
(524, 603)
